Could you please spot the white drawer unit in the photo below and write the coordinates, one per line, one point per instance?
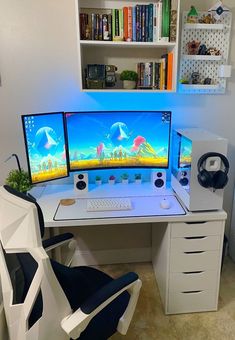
(194, 266)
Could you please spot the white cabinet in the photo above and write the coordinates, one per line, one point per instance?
(125, 55)
(187, 265)
(214, 67)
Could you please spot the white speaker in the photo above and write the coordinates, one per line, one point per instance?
(183, 177)
(158, 179)
(81, 183)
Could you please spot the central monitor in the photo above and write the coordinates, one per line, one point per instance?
(118, 139)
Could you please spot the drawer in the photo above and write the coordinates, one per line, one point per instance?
(195, 243)
(193, 281)
(197, 229)
(194, 261)
(197, 301)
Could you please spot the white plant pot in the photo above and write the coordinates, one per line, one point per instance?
(125, 181)
(98, 182)
(138, 181)
(111, 181)
(129, 84)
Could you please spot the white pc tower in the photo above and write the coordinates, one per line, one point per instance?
(199, 168)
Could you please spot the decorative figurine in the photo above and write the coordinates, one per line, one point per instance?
(195, 78)
(207, 19)
(207, 81)
(218, 10)
(202, 50)
(213, 51)
(192, 17)
(193, 47)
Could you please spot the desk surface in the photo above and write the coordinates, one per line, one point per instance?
(143, 195)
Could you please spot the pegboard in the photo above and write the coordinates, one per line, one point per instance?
(207, 66)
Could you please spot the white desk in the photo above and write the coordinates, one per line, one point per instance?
(186, 250)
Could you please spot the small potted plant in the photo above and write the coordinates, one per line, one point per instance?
(19, 180)
(111, 179)
(98, 180)
(125, 178)
(129, 79)
(138, 178)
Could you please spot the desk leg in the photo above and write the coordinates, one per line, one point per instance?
(160, 258)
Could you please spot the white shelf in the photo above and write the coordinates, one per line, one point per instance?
(202, 57)
(199, 86)
(122, 54)
(124, 90)
(126, 44)
(204, 26)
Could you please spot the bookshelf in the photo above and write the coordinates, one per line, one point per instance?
(214, 67)
(125, 55)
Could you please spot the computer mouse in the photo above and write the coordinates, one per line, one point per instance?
(165, 203)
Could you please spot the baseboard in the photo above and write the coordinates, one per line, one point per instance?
(110, 256)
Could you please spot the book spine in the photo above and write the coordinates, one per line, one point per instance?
(166, 20)
(100, 29)
(110, 26)
(129, 37)
(93, 26)
(154, 22)
(138, 28)
(150, 25)
(143, 22)
(120, 17)
(173, 20)
(105, 29)
(159, 21)
(134, 23)
(146, 38)
(113, 23)
(125, 23)
(170, 71)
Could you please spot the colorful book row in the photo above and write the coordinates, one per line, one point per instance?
(156, 74)
(143, 23)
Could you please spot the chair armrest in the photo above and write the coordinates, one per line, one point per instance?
(57, 241)
(75, 323)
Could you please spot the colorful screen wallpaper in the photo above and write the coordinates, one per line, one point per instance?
(118, 139)
(185, 154)
(45, 144)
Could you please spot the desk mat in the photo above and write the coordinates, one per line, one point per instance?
(142, 206)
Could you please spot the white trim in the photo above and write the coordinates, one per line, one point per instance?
(94, 257)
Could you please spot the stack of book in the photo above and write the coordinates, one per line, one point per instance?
(156, 74)
(155, 22)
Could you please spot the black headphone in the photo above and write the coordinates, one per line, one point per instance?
(212, 179)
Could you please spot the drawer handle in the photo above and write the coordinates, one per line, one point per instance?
(193, 292)
(195, 238)
(201, 222)
(194, 252)
(196, 272)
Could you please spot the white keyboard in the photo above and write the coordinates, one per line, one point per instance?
(108, 204)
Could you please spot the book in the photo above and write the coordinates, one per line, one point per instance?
(173, 20)
(166, 20)
(170, 66)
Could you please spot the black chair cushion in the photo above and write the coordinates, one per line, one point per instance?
(78, 284)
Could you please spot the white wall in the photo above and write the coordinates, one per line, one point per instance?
(39, 73)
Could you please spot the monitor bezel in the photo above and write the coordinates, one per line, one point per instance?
(120, 167)
(26, 145)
